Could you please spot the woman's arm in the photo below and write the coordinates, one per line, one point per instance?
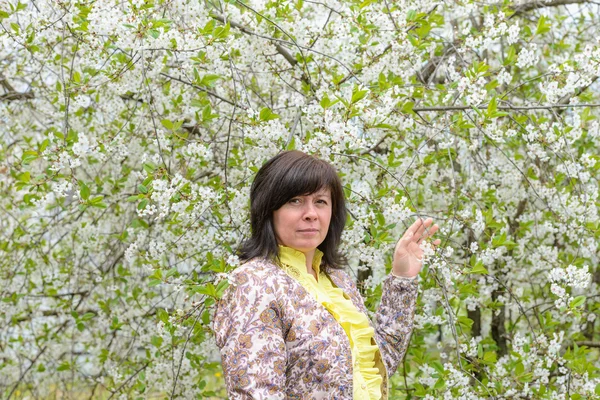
(394, 320)
(249, 334)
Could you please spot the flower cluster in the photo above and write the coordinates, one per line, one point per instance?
(570, 277)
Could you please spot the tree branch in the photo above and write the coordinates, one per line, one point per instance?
(280, 49)
(482, 106)
(588, 343)
(567, 98)
(534, 5)
(11, 94)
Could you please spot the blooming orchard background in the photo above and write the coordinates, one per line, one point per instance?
(130, 132)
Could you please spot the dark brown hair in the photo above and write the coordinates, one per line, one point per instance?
(290, 174)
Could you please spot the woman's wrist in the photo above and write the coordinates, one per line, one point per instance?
(408, 278)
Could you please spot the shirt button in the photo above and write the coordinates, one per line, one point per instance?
(363, 386)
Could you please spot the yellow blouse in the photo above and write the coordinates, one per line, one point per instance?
(366, 376)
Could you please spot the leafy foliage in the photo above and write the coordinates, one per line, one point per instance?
(130, 132)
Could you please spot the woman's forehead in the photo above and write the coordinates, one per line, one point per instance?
(324, 191)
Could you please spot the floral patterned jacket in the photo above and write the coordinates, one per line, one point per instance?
(278, 342)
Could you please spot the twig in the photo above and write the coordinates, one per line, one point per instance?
(213, 94)
(143, 367)
(294, 125)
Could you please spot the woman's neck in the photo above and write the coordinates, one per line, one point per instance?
(310, 255)
(305, 259)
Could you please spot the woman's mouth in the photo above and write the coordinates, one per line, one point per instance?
(308, 231)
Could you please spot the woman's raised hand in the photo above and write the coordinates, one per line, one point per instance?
(408, 255)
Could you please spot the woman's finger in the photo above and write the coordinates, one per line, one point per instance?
(424, 225)
(431, 231)
(410, 232)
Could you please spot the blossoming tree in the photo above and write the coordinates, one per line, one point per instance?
(130, 132)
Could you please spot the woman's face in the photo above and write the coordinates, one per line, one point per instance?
(302, 223)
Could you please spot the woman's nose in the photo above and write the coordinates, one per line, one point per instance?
(310, 212)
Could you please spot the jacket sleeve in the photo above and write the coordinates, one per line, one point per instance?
(248, 329)
(394, 320)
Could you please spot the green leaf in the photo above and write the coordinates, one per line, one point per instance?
(543, 26)
(88, 316)
(163, 315)
(154, 282)
(466, 322)
(266, 114)
(167, 124)
(149, 168)
(358, 95)
(326, 102)
(64, 366)
(221, 286)
(438, 366)
(491, 85)
(478, 269)
(528, 377)
(208, 289)
(139, 223)
(143, 189)
(25, 177)
(519, 368)
(511, 55)
(209, 80)
(28, 156)
(156, 341)
(439, 384)
(97, 202)
(407, 107)
(173, 271)
(577, 301)
(492, 106)
(207, 114)
(84, 190)
(489, 357)
(142, 204)
(221, 32)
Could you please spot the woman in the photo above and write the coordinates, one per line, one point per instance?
(292, 324)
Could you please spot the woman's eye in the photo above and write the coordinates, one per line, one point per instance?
(322, 201)
(294, 201)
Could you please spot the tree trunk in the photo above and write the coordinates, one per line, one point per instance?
(498, 328)
(475, 315)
